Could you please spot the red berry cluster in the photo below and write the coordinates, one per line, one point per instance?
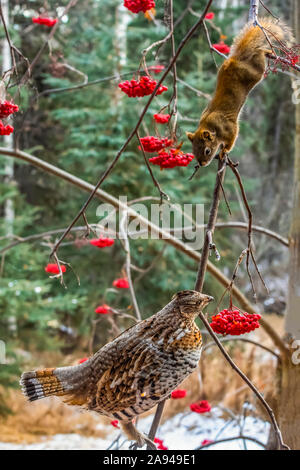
(54, 269)
(222, 47)
(179, 393)
(200, 407)
(172, 158)
(7, 108)
(121, 283)
(142, 87)
(154, 144)
(102, 242)
(232, 322)
(45, 21)
(135, 6)
(5, 130)
(162, 118)
(103, 309)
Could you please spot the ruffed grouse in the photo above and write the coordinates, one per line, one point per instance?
(135, 371)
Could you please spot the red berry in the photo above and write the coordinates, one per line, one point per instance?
(144, 87)
(45, 21)
(232, 322)
(135, 6)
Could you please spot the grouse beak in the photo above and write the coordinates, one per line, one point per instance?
(210, 298)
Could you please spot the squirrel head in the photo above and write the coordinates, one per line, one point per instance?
(205, 145)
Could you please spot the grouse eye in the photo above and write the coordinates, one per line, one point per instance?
(207, 151)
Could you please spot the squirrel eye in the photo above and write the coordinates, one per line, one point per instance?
(207, 151)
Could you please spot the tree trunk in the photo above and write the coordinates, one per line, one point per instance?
(289, 371)
(289, 404)
(9, 213)
(9, 210)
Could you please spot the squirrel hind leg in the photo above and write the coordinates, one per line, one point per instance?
(134, 435)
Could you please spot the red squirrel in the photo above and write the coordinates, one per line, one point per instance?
(218, 128)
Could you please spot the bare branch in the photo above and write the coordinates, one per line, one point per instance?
(87, 84)
(123, 233)
(244, 340)
(253, 11)
(210, 226)
(228, 439)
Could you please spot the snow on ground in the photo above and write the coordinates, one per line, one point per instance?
(184, 431)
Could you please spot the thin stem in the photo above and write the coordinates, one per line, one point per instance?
(156, 420)
(244, 340)
(162, 194)
(228, 439)
(123, 233)
(253, 11)
(210, 226)
(87, 84)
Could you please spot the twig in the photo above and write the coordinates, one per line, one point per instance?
(174, 96)
(245, 340)
(211, 47)
(145, 271)
(255, 228)
(162, 194)
(123, 233)
(228, 439)
(229, 287)
(87, 84)
(198, 92)
(11, 47)
(268, 10)
(156, 420)
(210, 226)
(249, 212)
(285, 61)
(49, 233)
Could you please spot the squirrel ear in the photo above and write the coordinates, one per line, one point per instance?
(208, 135)
(190, 135)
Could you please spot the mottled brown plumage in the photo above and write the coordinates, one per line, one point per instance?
(135, 371)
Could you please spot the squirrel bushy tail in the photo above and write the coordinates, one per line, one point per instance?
(66, 382)
(252, 38)
(239, 74)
